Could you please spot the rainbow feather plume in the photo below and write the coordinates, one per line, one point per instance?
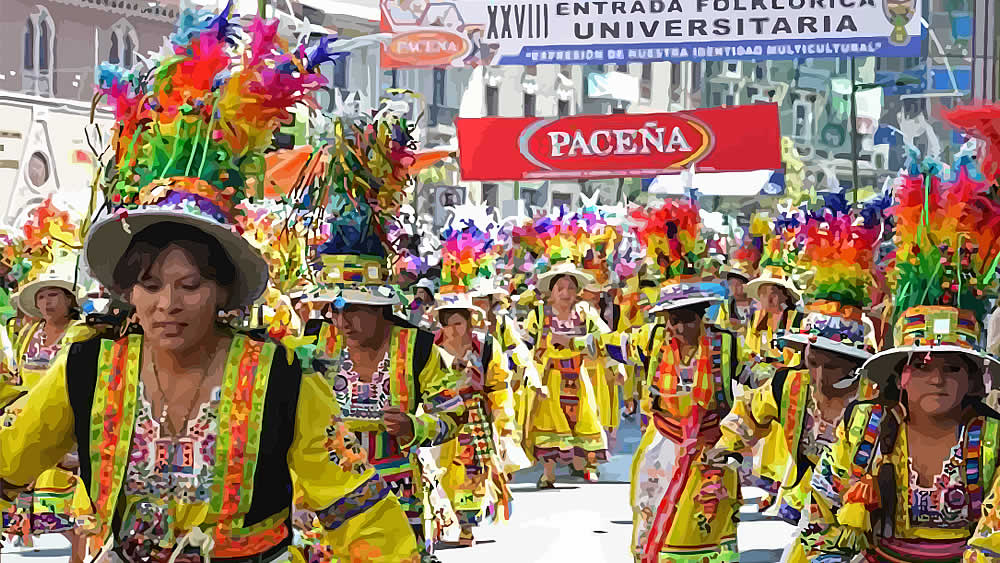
(209, 107)
(947, 241)
(670, 234)
(839, 252)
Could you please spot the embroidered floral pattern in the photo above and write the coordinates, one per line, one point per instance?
(361, 400)
(344, 448)
(181, 474)
(946, 503)
(38, 356)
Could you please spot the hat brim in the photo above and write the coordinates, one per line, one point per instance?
(734, 274)
(26, 297)
(686, 302)
(108, 240)
(459, 307)
(754, 285)
(826, 344)
(484, 293)
(545, 280)
(881, 366)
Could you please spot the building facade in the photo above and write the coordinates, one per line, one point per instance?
(52, 49)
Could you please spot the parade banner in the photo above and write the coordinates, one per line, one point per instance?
(437, 33)
(729, 139)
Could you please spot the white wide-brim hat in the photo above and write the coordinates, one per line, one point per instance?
(880, 367)
(933, 330)
(110, 237)
(824, 343)
(374, 295)
(773, 276)
(545, 279)
(487, 287)
(686, 291)
(457, 302)
(25, 299)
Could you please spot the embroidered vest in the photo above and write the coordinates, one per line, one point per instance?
(241, 410)
(979, 452)
(720, 367)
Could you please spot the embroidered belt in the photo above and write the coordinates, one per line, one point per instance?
(709, 432)
(276, 554)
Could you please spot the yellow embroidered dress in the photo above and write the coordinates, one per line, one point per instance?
(685, 404)
(788, 400)
(566, 424)
(892, 517)
(57, 497)
(412, 376)
(222, 489)
(474, 476)
(762, 357)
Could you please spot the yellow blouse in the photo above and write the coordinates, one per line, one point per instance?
(357, 513)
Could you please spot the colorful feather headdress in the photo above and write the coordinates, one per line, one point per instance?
(672, 237)
(357, 203)
(192, 132)
(599, 241)
(838, 255)
(943, 273)
(670, 234)
(745, 259)
(49, 235)
(468, 250)
(947, 242)
(207, 111)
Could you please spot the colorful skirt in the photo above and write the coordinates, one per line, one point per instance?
(605, 393)
(567, 424)
(690, 536)
(54, 502)
(473, 478)
(51, 506)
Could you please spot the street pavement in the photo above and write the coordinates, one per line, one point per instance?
(577, 522)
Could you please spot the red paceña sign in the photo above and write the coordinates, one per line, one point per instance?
(732, 139)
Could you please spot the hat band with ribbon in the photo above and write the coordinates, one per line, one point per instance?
(176, 192)
(937, 326)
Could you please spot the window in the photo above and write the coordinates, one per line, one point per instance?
(29, 45)
(39, 53)
(492, 100)
(490, 194)
(439, 82)
(696, 70)
(560, 199)
(529, 105)
(622, 68)
(441, 114)
(675, 75)
(566, 70)
(803, 124)
(563, 108)
(341, 74)
(760, 71)
(531, 70)
(122, 44)
(646, 84)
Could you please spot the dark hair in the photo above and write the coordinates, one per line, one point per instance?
(446, 314)
(558, 277)
(210, 258)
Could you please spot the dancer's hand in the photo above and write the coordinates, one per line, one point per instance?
(398, 424)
